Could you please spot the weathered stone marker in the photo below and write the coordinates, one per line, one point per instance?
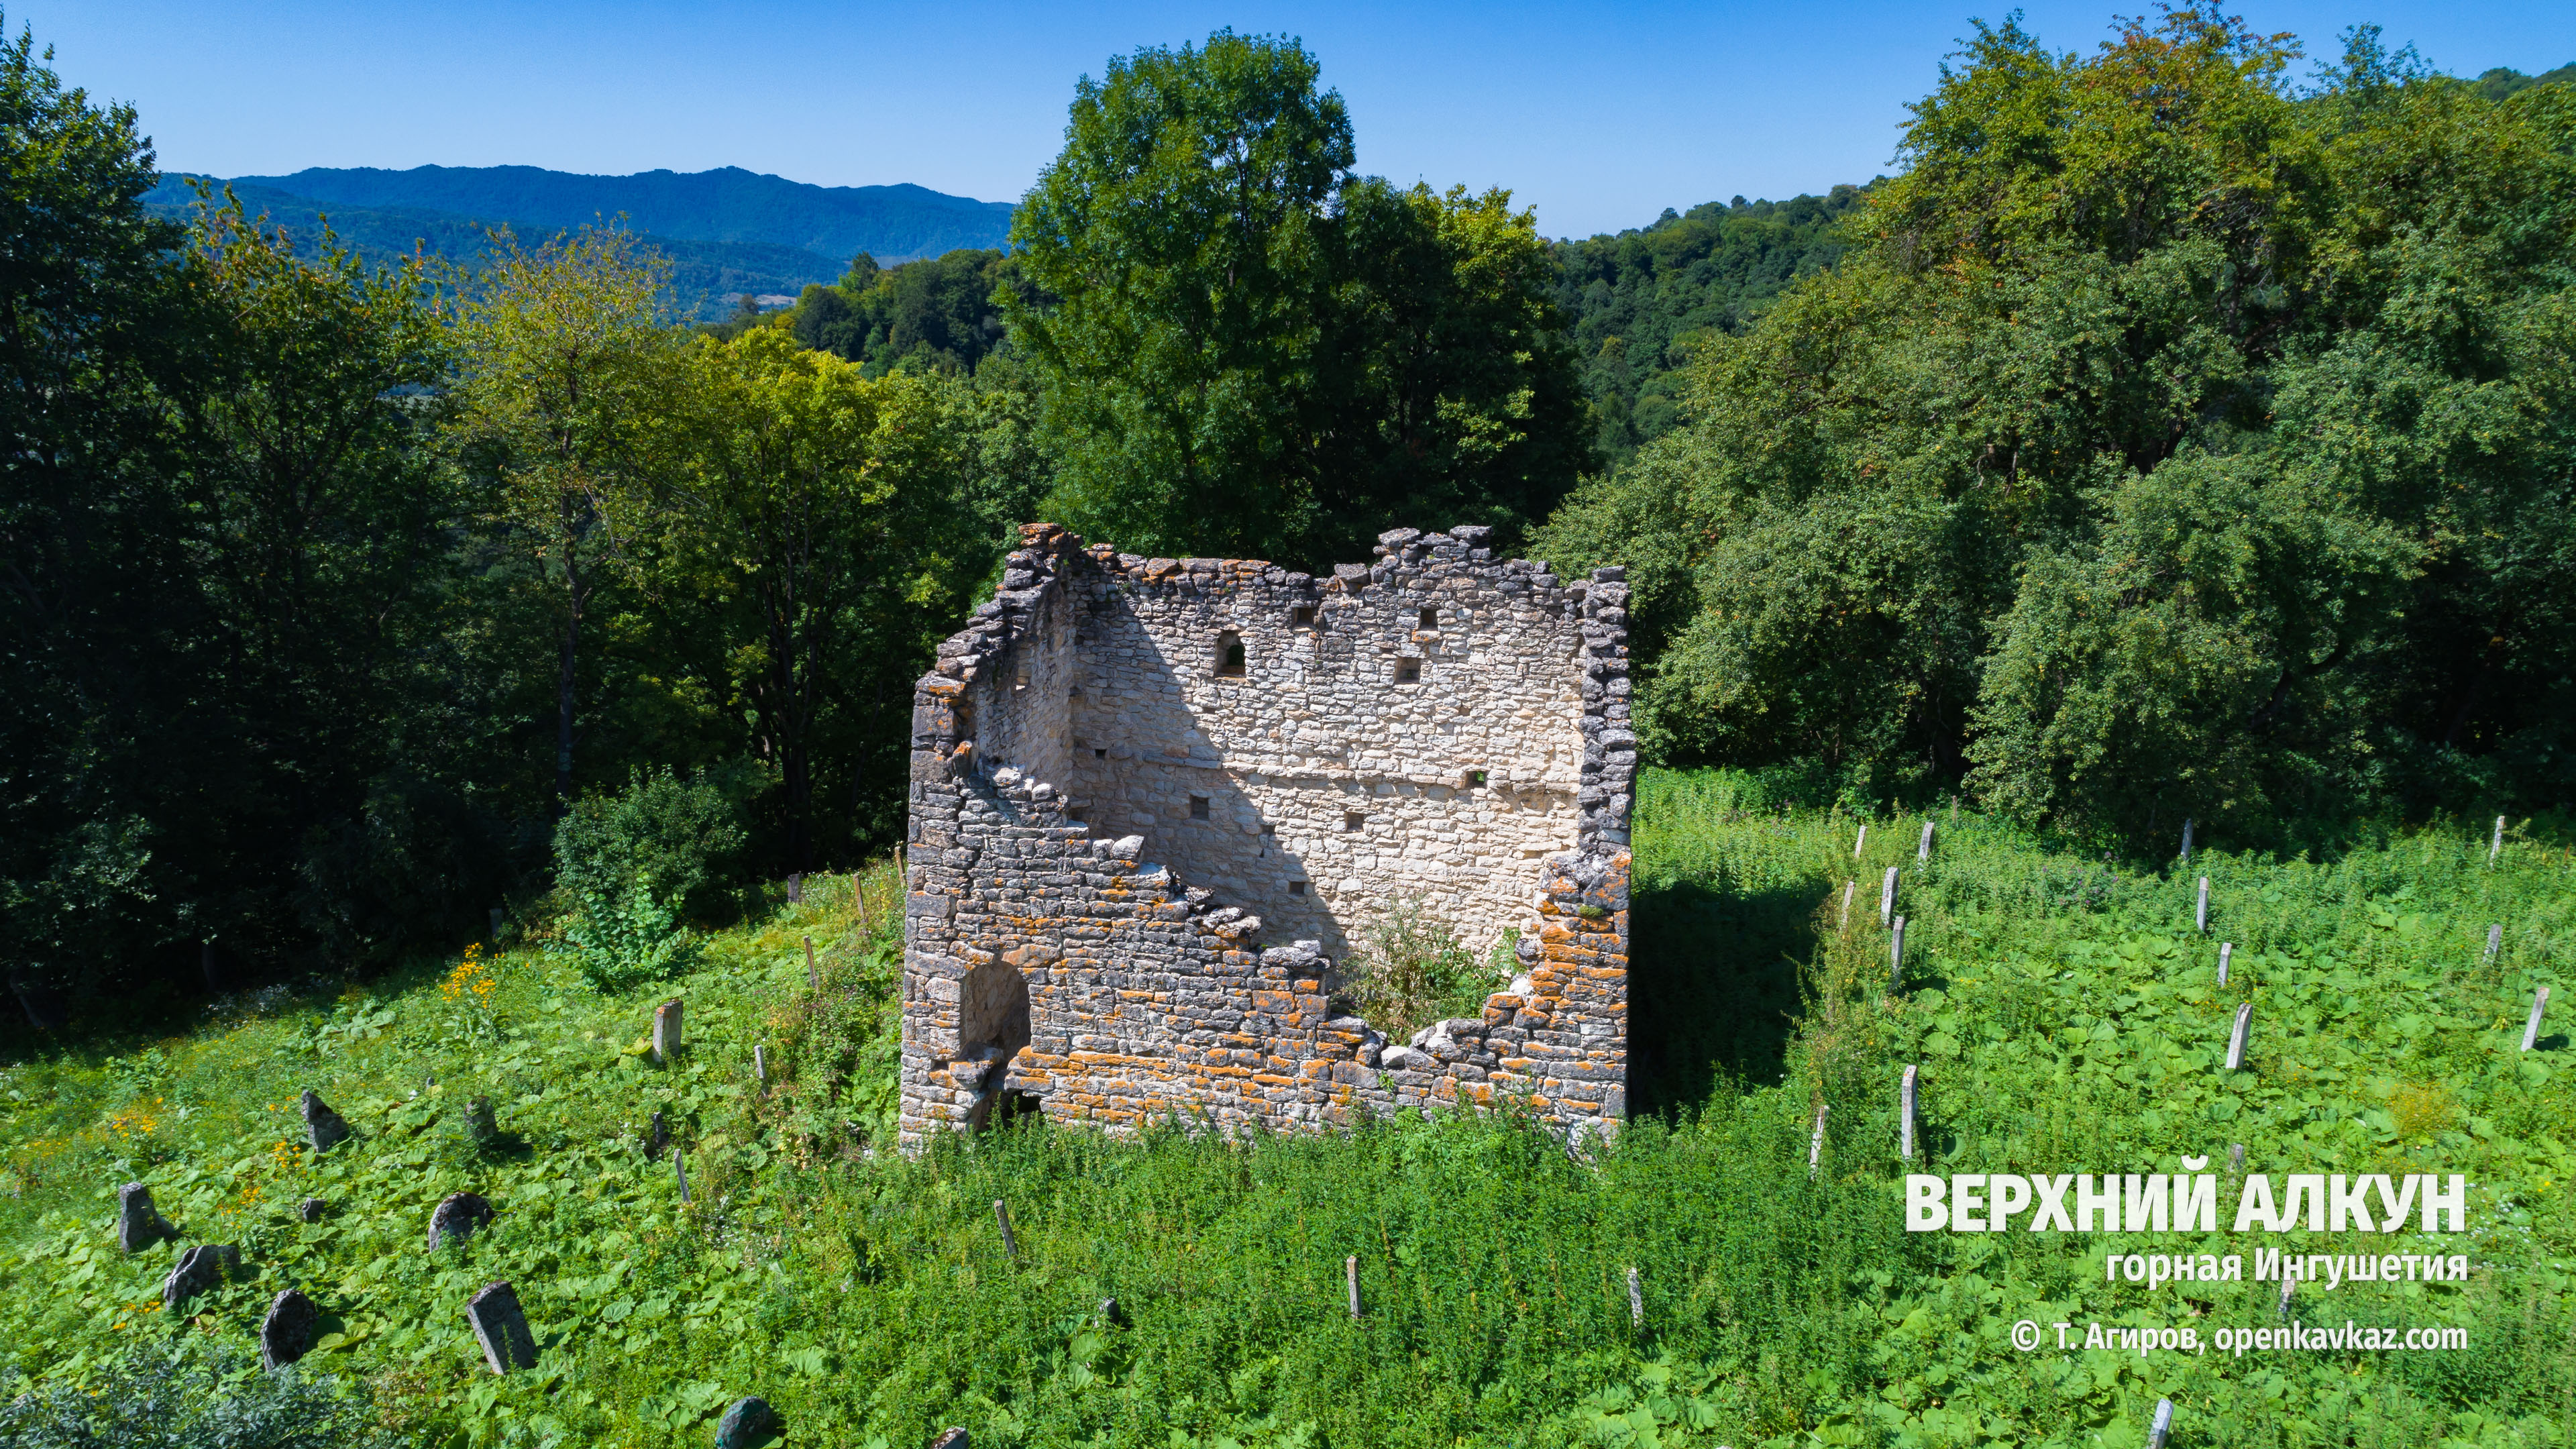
(324, 1128)
(1111, 1315)
(1816, 1141)
(312, 1209)
(760, 1068)
(2162, 1426)
(2186, 840)
(680, 1172)
(2531, 1029)
(200, 1268)
(657, 1137)
(1887, 895)
(501, 1326)
(2287, 1283)
(813, 977)
(1924, 850)
(2226, 952)
(951, 1439)
(1896, 957)
(748, 1422)
(2496, 846)
(1002, 1215)
(457, 1217)
(1860, 840)
(666, 1031)
(482, 1128)
(138, 1224)
(2200, 918)
(796, 888)
(2495, 940)
(2236, 1038)
(1351, 1279)
(1905, 1115)
(2236, 1158)
(1848, 887)
(286, 1334)
(1636, 1301)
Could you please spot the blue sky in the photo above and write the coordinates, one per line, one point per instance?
(1599, 115)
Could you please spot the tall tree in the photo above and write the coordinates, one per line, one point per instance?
(562, 351)
(1183, 230)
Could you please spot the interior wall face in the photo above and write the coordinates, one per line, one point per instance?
(1165, 796)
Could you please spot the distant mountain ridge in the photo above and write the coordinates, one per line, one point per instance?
(729, 204)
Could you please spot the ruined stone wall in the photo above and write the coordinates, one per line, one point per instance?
(1133, 777)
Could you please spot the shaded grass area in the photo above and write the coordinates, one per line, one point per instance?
(2064, 1015)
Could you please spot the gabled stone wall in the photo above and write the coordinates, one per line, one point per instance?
(1153, 800)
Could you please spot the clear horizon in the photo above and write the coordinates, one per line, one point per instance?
(1599, 119)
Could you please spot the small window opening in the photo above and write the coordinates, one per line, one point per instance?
(1476, 777)
(1296, 887)
(964, 713)
(1270, 830)
(1408, 671)
(1353, 820)
(1431, 618)
(1304, 616)
(1229, 655)
(1100, 754)
(1198, 807)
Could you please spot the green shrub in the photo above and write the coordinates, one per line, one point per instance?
(637, 866)
(1409, 969)
(187, 1394)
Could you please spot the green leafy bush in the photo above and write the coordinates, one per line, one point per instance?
(1409, 969)
(636, 866)
(188, 1394)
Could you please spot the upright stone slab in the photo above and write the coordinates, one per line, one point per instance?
(286, 1334)
(952, 1439)
(138, 1224)
(457, 1217)
(502, 1328)
(482, 1127)
(666, 1031)
(312, 1209)
(324, 1128)
(200, 1268)
(747, 1423)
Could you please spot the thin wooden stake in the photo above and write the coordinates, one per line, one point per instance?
(1887, 894)
(1905, 1116)
(2226, 949)
(1816, 1142)
(2200, 918)
(2236, 1039)
(2495, 847)
(813, 977)
(1860, 840)
(1351, 1277)
(2186, 840)
(760, 1068)
(1848, 887)
(2162, 1426)
(1002, 1215)
(2531, 1030)
(682, 1174)
(1896, 957)
(2495, 940)
(1924, 851)
(1636, 1302)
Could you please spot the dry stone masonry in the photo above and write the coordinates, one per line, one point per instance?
(1155, 801)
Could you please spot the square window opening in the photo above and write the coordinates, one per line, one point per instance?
(1229, 655)
(1408, 671)
(1296, 887)
(1431, 618)
(1303, 616)
(1100, 754)
(1353, 820)
(1198, 807)
(1476, 778)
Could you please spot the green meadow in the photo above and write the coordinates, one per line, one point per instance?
(2063, 1012)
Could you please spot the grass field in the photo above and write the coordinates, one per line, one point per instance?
(2063, 1012)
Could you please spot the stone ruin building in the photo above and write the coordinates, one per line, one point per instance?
(1154, 801)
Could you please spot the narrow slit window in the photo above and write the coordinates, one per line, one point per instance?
(1408, 671)
(1198, 807)
(1229, 655)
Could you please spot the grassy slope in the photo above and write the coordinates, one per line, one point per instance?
(2065, 1018)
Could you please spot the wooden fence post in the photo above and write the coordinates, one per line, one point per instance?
(1636, 1302)
(1002, 1215)
(2225, 950)
(1816, 1142)
(2495, 847)
(2186, 840)
(1351, 1278)
(1905, 1116)
(2236, 1038)
(681, 1174)
(2531, 1030)
(2200, 918)
(1848, 887)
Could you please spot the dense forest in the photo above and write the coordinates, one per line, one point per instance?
(2168, 437)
